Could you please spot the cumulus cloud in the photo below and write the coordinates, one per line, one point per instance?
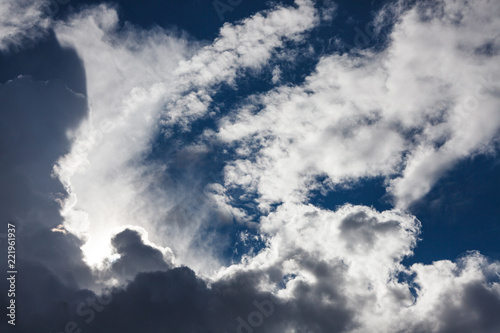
(327, 271)
(406, 113)
(127, 75)
(248, 44)
(136, 79)
(136, 254)
(456, 297)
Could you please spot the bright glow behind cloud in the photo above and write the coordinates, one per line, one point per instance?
(130, 77)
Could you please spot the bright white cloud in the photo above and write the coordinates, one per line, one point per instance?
(248, 44)
(350, 260)
(408, 113)
(128, 73)
(131, 75)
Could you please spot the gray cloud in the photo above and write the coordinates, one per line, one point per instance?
(135, 256)
(37, 110)
(360, 231)
(36, 116)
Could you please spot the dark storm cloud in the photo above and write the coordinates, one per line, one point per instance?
(135, 256)
(43, 298)
(179, 301)
(36, 116)
(477, 312)
(37, 111)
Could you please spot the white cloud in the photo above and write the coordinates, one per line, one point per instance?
(455, 297)
(248, 44)
(409, 112)
(131, 75)
(128, 74)
(349, 261)
(222, 204)
(276, 75)
(21, 21)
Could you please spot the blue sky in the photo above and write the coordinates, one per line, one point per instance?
(252, 166)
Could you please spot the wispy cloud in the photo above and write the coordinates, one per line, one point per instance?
(21, 22)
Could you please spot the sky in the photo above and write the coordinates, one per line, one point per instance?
(201, 166)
